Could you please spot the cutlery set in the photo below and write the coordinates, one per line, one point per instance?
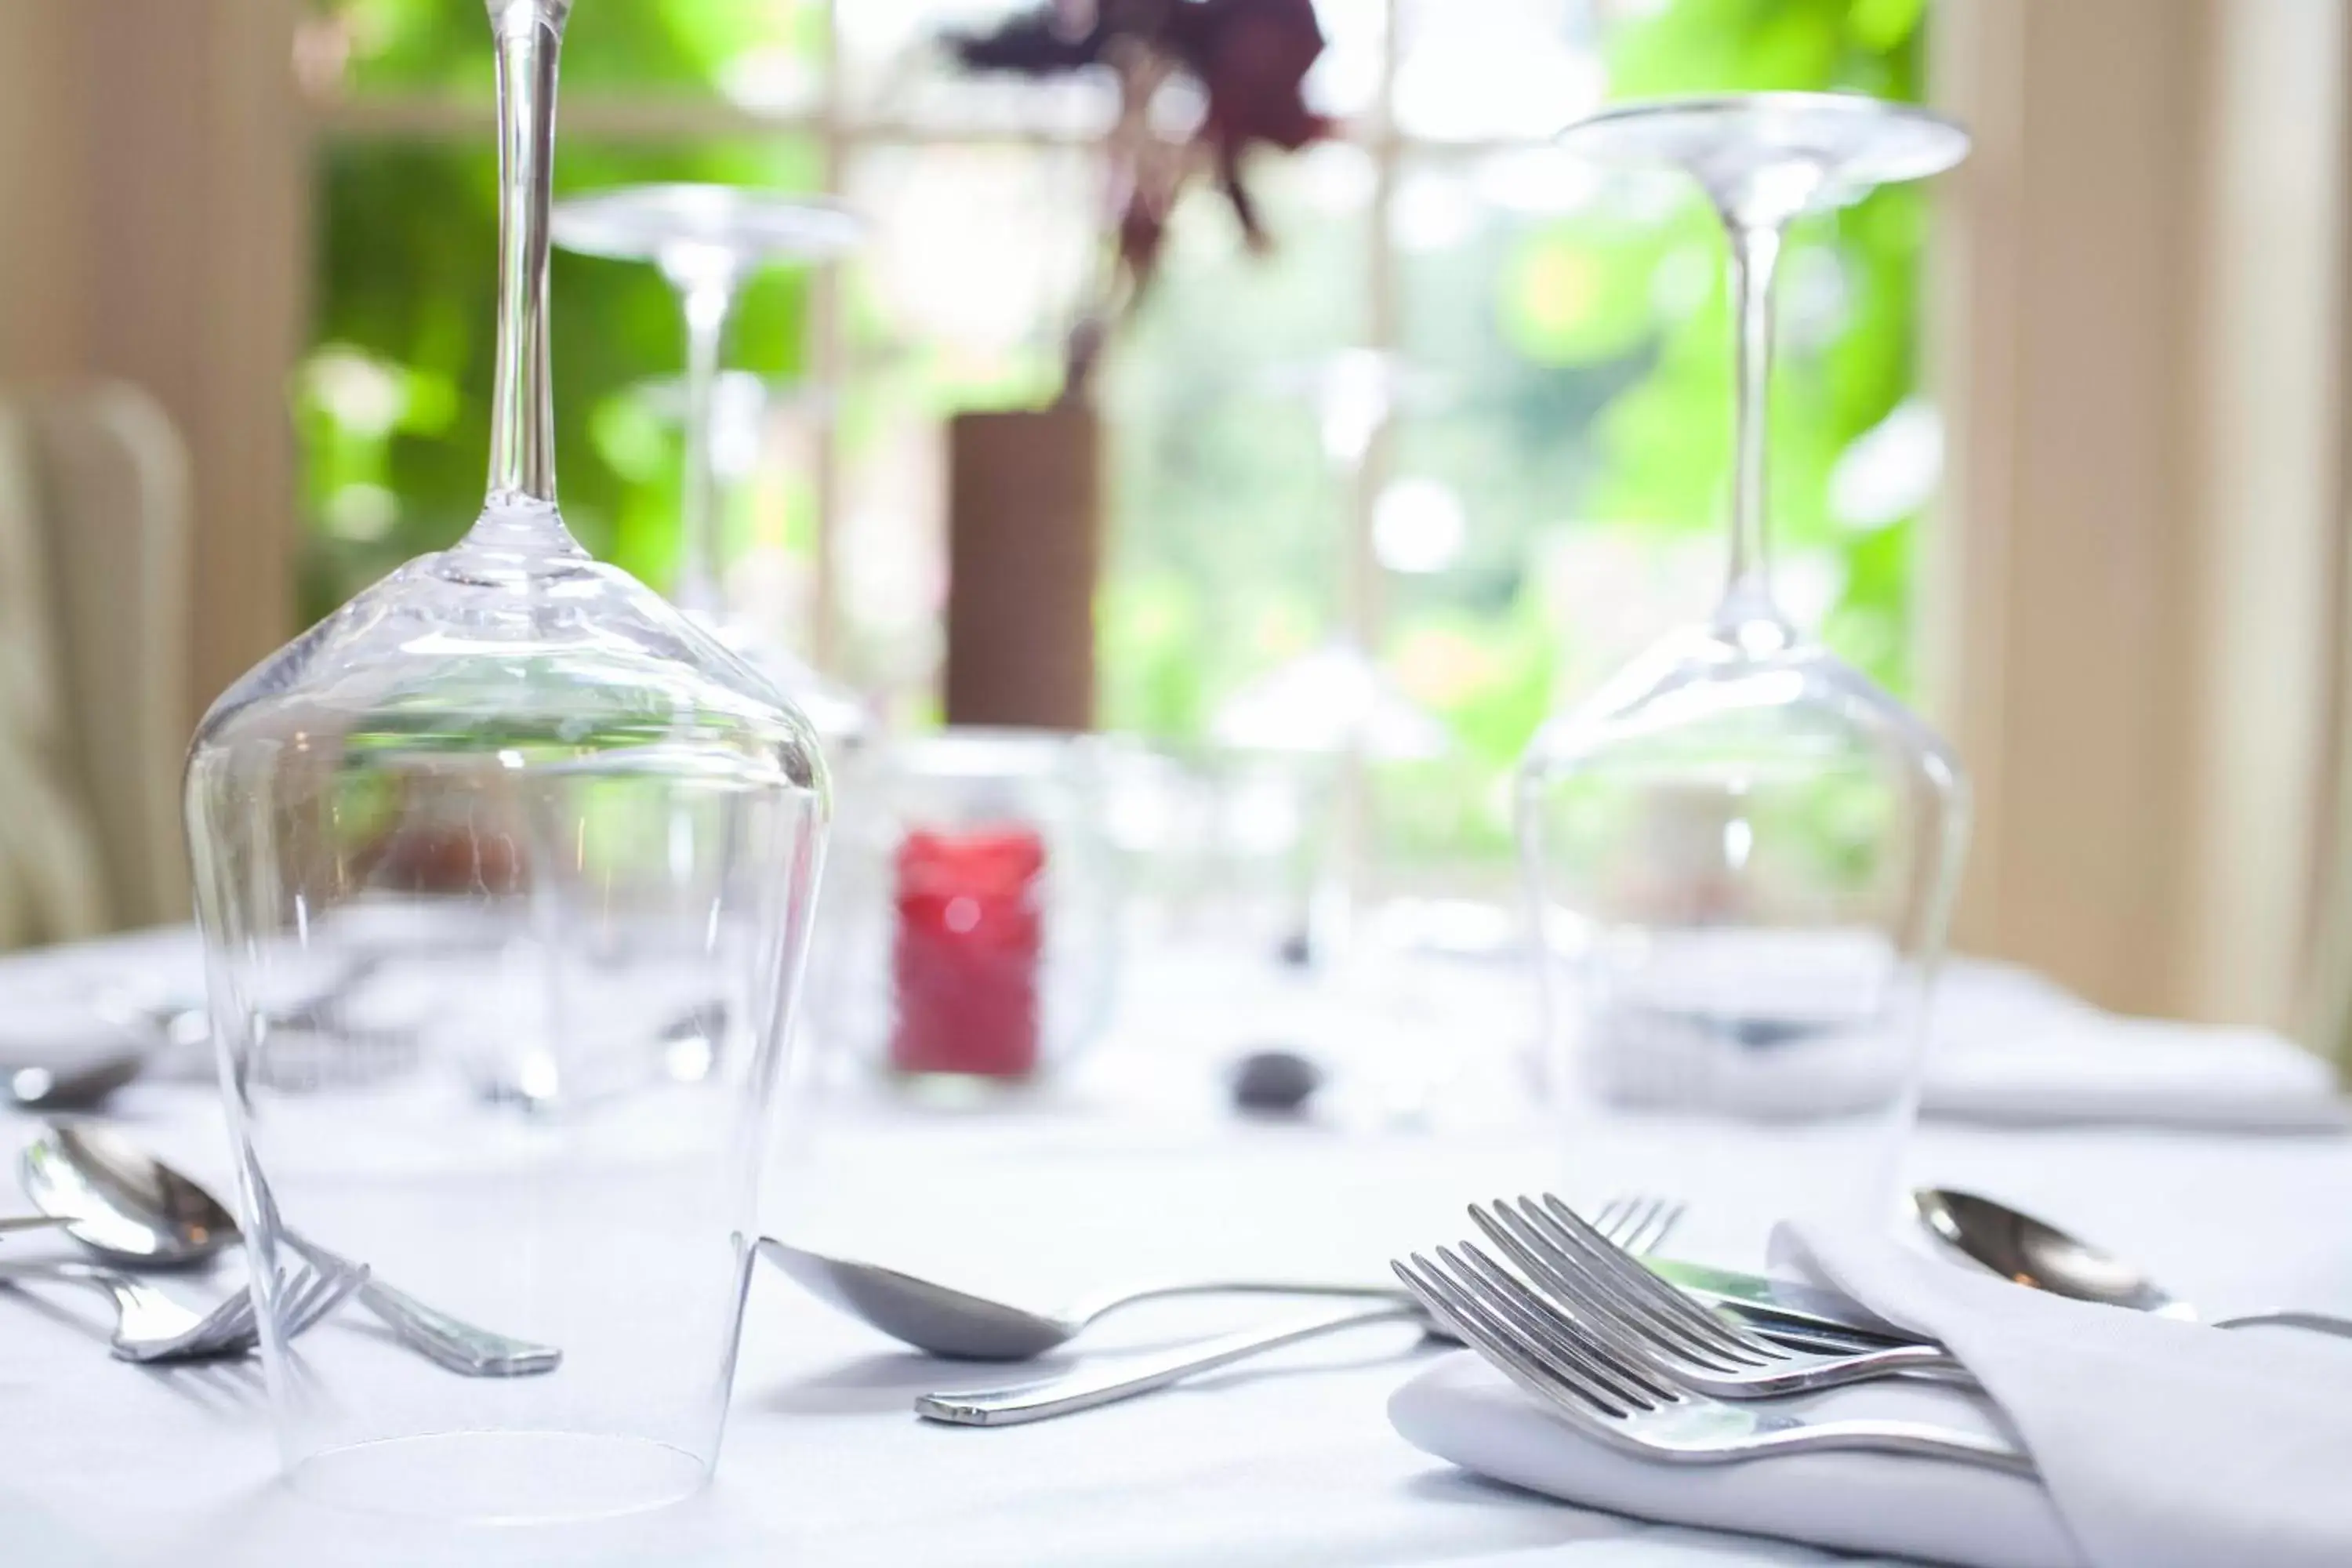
(1601, 1342)
(1677, 1362)
(136, 1213)
(1674, 1361)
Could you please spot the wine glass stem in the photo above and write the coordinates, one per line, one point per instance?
(707, 306)
(1755, 258)
(522, 426)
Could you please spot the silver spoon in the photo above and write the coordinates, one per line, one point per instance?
(123, 1203)
(128, 1206)
(2033, 1252)
(76, 1088)
(951, 1323)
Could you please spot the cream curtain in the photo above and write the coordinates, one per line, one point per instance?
(52, 884)
(2134, 630)
(95, 590)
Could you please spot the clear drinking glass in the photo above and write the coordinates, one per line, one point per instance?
(1741, 851)
(553, 848)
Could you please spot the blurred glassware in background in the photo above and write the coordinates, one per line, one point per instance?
(1333, 712)
(580, 838)
(707, 242)
(989, 959)
(1741, 852)
(767, 587)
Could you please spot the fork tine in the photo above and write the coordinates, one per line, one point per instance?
(1551, 1329)
(1584, 1294)
(329, 1289)
(1587, 1406)
(1565, 1228)
(236, 1323)
(1545, 1333)
(1664, 1213)
(298, 1288)
(1558, 1227)
(1592, 1300)
(1499, 1346)
(326, 1288)
(1613, 1219)
(1641, 1211)
(1580, 1272)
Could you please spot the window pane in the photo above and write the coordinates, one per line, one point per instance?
(1230, 524)
(1554, 484)
(1501, 68)
(393, 403)
(755, 51)
(898, 71)
(1560, 506)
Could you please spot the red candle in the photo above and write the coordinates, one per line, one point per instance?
(969, 940)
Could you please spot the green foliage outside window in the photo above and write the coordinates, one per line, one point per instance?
(1586, 358)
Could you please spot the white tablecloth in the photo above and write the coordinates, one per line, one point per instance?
(1290, 1462)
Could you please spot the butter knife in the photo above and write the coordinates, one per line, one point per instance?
(1783, 1301)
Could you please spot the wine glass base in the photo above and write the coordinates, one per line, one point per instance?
(502, 1477)
(657, 223)
(1767, 156)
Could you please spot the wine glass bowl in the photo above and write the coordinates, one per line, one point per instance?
(1740, 852)
(1738, 858)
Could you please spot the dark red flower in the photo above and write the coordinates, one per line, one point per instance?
(1250, 59)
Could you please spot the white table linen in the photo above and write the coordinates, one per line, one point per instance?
(1130, 1174)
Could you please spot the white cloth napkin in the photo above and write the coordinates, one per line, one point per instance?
(2079, 1064)
(2161, 1444)
(2166, 1444)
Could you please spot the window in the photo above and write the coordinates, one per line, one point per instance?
(1545, 501)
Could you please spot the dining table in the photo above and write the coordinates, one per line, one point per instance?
(1132, 1166)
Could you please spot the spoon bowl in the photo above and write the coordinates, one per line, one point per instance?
(934, 1317)
(2033, 1252)
(944, 1322)
(121, 1202)
(2037, 1254)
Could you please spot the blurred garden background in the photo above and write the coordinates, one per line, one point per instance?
(1548, 499)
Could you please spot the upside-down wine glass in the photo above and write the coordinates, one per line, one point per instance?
(707, 242)
(1741, 851)
(563, 844)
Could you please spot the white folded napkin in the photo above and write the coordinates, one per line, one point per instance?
(2165, 1444)
(2078, 1065)
(2161, 1444)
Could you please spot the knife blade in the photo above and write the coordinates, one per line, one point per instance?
(1776, 1300)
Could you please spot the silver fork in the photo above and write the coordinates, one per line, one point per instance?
(1634, 1407)
(1589, 1277)
(1642, 1223)
(150, 1326)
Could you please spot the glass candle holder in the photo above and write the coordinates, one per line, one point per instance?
(988, 945)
